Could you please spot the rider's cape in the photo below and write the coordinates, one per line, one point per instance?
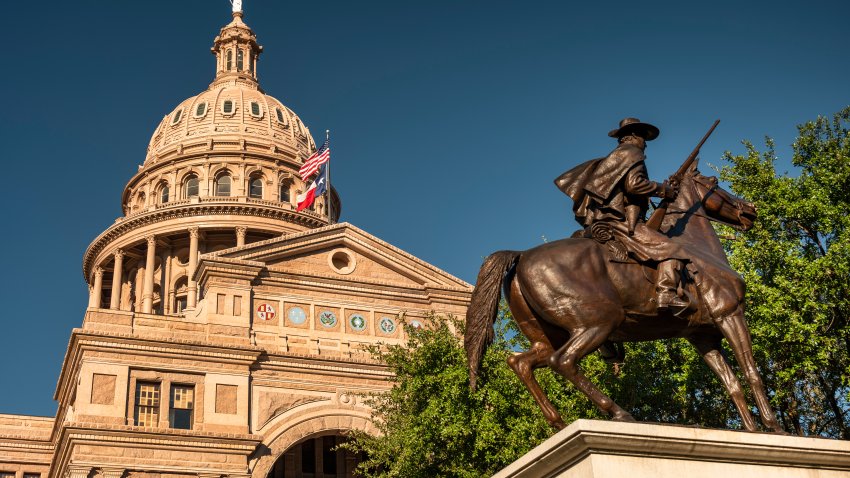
(596, 180)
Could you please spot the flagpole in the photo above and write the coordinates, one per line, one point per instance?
(328, 195)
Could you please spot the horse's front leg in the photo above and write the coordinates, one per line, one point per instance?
(710, 348)
(735, 330)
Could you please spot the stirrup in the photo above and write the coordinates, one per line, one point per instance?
(674, 304)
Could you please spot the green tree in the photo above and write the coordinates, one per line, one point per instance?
(796, 263)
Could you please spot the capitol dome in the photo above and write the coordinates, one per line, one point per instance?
(231, 109)
(221, 170)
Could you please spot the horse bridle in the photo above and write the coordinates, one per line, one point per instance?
(711, 187)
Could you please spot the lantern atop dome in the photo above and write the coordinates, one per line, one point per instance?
(236, 48)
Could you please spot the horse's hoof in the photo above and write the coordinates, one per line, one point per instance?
(623, 416)
(558, 425)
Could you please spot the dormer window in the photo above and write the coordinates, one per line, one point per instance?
(227, 107)
(255, 110)
(201, 110)
(280, 117)
(176, 118)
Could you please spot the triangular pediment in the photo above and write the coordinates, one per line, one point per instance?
(342, 251)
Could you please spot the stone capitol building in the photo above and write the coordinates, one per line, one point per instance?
(225, 331)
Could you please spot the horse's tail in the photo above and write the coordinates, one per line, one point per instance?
(483, 308)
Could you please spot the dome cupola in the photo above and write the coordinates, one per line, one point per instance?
(236, 51)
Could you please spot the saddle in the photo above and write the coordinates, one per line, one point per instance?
(617, 252)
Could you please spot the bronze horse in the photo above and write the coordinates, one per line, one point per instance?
(569, 297)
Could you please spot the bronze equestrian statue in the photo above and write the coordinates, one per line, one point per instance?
(624, 279)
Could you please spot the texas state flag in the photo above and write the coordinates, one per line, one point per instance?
(319, 186)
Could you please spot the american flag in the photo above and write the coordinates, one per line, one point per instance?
(320, 157)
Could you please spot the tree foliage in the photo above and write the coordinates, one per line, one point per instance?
(796, 263)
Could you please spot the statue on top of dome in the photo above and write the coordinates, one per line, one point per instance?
(237, 5)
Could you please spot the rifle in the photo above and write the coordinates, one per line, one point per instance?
(657, 216)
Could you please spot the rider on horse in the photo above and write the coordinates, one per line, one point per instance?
(610, 199)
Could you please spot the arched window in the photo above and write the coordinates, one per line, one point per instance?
(250, 63)
(255, 109)
(240, 63)
(190, 188)
(201, 110)
(177, 115)
(255, 188)
(229, 59)
(284, 192)
(222, 185)
(163, 194)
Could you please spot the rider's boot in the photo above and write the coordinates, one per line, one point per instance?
(667, 285)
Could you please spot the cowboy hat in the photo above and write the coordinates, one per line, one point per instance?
(633, 125)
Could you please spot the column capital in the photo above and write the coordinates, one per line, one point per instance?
(151, 240)
(118, 253)
(113, 472)
(194, 231)
(241, 230)
(98, 271)
(77, 471)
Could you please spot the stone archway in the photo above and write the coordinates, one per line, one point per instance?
(288, 436)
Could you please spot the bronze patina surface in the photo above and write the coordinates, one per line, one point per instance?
(620, 280)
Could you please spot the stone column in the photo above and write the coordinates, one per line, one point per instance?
(192, 286)
(117, 275)
(147, 294)
(97, 288)
(241, 231)
(165, 290)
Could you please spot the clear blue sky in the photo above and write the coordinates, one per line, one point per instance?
(449, 119)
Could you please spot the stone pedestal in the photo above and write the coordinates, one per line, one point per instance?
(591, 448)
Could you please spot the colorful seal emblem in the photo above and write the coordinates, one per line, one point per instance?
(265, 312)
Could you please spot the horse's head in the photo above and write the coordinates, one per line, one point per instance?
(717, 203)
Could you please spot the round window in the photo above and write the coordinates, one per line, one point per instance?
(327, 319)
(358, 322)
(342, 261)
(297, 315)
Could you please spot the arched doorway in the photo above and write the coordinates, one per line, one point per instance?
(316, 456)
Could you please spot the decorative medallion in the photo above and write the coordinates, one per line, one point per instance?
(358, 322)
(265, 312)
(327, 318)
(416, 324)
(297, 315)
(387, 325)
